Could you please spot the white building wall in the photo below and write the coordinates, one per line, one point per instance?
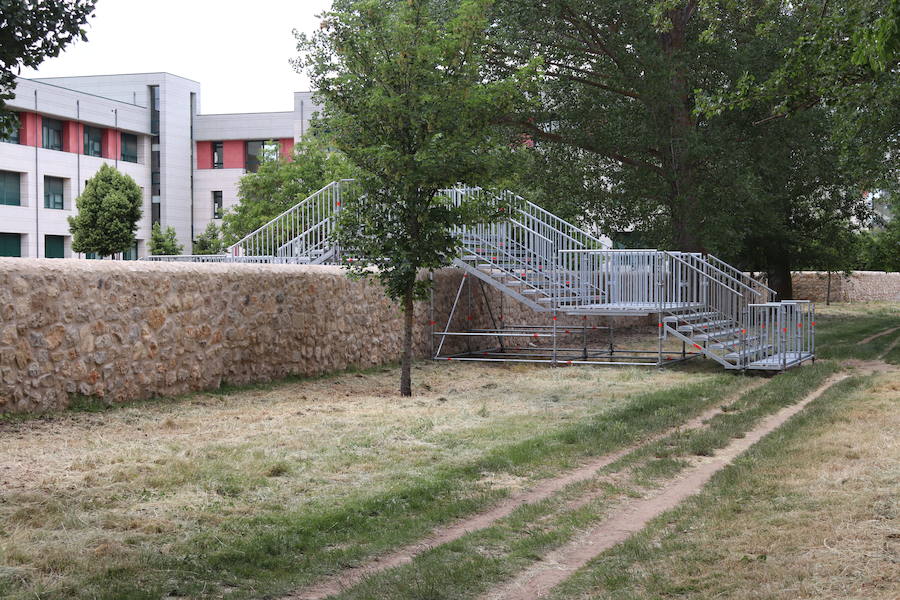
(177, 156)
(176, 144)
(31, 219)
(122, 102)
(244, 126)
(76, 106)
(206, 181)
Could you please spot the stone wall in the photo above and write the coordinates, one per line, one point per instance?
(859, 286)
(130, 330)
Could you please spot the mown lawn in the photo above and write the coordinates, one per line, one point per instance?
(248, 493)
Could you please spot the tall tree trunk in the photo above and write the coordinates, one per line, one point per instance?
(680, 123)
(406, 360)
(780, 276)
(685, 226)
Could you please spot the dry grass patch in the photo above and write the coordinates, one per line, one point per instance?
(80, 487)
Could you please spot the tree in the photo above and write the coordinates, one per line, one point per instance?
(209, 242)
(33, 31)
(404, 97)
(279, 184)
(880, 246)
(108, 211)
(621, 142)
(164, 241)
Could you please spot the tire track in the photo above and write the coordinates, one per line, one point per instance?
(348, 578)
(632, 516)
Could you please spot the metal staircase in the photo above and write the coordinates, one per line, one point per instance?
(554, 267)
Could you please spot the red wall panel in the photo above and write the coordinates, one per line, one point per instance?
(73, 137)
(287, 148)
(110, 146)
(234, 154)
(204, 155)
(30, 133)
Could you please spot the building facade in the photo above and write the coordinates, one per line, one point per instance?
(146, 125)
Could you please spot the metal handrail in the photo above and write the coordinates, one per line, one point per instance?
(742, 274)
(266, 225)
(740, 283)
(700, 271)
(533, 232)
(647, 250)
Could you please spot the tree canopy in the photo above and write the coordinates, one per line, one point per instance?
(164, 242)
(32, 31)
(108, 211)
(210, 241)
(622, 141)
(404, 97)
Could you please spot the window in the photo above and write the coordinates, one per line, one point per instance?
(11, 136)
(53, 134)
(10, 244)
(217, 152)
(91, 256)
(93, 141)
(217, 205)
(54, 246)
(129, 147)
(253, 152)
(10, 188)
(53, 193)
(155, 212)
(260, 150)
(154, 109)
(131, 253)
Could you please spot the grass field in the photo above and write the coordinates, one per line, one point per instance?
(255, 492)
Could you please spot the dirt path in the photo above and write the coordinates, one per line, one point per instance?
(543, 490)
(890, 347)
(877, 335)
(634, 515)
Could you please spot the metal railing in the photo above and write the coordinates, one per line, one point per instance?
(224, 258)
(302, 232)
(784, 333)
(764, 292)
(529, 248)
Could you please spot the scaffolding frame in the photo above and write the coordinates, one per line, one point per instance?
(555, 355)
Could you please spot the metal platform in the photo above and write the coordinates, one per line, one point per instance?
(632, 309)
(782, 361)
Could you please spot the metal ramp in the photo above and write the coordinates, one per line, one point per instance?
(548, 264)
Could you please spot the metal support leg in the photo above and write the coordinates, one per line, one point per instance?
(431, 320)
(487, 305)
(659, 333)
(612, 342)
(555, 337)
(584, 352)
(469, 316)
(462, 282)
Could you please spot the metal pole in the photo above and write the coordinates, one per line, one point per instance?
(462, 282)
(431, 320)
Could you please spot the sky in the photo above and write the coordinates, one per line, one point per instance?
(237, 50)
